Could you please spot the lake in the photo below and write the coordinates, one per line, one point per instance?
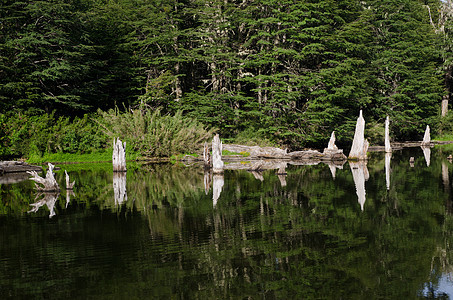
(352, 231)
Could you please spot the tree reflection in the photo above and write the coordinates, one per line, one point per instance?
(48, 199)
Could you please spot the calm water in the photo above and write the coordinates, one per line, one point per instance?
(158, 233)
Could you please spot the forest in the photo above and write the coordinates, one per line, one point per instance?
(167, 73)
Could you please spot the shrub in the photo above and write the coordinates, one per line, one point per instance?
(153, 134)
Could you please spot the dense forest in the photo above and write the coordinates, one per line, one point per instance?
(287, 72)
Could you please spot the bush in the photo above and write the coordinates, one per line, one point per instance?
(25, 135)
(153, 134)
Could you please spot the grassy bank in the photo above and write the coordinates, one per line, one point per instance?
(104, 156)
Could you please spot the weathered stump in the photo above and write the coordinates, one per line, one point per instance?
(47, 184)
(427, 137)
(217, 163)
(119, 156)
(388, 148)
(359, 144)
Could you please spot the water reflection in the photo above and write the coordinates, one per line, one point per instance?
(261, 240)
(281, 173)
(69, 193)
(119, 187)
(217, 185)
(48, 199)
(427, 154)
(360, 174)
(388, 158)
(445, 176)
(207, 178)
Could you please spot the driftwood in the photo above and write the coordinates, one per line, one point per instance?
(17, 167)
(47, 184)
(69, 185)
(257, 152)
(119, 156)
(217, 163)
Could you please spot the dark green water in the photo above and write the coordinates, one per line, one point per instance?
(306, 239)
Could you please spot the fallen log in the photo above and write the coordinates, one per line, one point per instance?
(17, 167)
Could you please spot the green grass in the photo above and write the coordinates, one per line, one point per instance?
(444, 137)
(70, 157)
(74, 157)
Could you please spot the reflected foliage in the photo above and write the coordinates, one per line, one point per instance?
(308, 239)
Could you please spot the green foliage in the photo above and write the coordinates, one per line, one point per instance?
(149, 133)
(252, 137)
(293, 70)
(26, 135)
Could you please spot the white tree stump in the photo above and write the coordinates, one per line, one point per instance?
(427, 137)
(388, 148)
(47, 184)
(331, 145)
(217, 163)
(119, 156)
(69, 185)
(359, 145)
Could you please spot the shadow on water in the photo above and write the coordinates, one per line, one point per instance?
(380, 229)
